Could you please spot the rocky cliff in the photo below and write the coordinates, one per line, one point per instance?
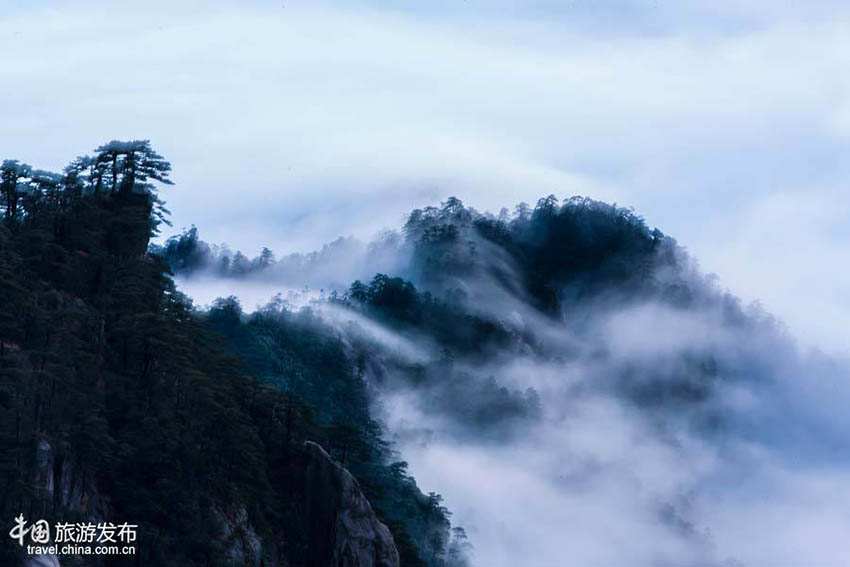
(339, 514)
(341, 526)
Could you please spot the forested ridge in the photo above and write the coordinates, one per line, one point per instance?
(120, 401)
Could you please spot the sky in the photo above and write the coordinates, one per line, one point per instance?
(289, 123)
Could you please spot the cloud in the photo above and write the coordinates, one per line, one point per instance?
(283, 117)
(607, 479)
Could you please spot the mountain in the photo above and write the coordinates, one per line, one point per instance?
(563, 373)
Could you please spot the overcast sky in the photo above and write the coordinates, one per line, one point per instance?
(725, 124)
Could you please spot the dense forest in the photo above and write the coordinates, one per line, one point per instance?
(119, 400)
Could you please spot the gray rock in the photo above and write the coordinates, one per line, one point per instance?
(346, 531)
(240, 540)
(42, 561)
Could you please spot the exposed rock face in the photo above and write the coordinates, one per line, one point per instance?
(341, 527)
(61, 485)
(345, 529)
(42, 561)
(240, 540)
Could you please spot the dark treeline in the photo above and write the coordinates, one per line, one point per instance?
(577, 246)
(119, 401)
(553, 254)
(187, 254)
